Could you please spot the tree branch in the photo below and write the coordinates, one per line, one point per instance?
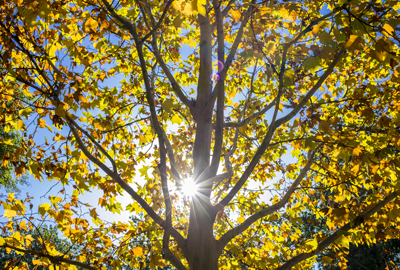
(224, 240)
(224, 13)
(131, 28)
(333, 237)
(265, 144)
(220, 88)
(251, 117)
(313, 89)
(53, 259)
(93, 141)
(237, 42)
(159, 22)
(171, 156)
(179, 238)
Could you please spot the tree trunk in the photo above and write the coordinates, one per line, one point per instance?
(201, 244)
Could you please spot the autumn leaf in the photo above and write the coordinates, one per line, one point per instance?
(178, 22)
(388, 30)
(312, 243)
(44, 208)
(357, 151)
(354, 43)
(240, 219)
(41, 122)
(312, 63)
(20, 125)
(138, 251)
(201, 7)
(91, 24)
(9, 213)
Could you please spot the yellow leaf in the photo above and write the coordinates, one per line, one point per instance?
(357, 150)
(175, 7)
(312, 243)
(60, 110)
(354, 43)
(44, 208)
(389, 30)
(93, 213)
(91, 24)
(168, 105)
(20, 125)
(54, 200)
(201, 7)
(236, 15)
(25, 112)
(176, 119)
(6, 141)
(8, 213)
(23, 225)
(330, 225)
(41, 123)
(137, 251)
(343, 242)
(241, 219)
(188, 10)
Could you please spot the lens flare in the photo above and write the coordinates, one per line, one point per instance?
(189, 187)
(220, 66)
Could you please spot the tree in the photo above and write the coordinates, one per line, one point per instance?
(7, 149)
(39, 237)
(10, 140)
(217, 91)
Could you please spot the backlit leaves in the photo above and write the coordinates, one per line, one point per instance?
(98, 87)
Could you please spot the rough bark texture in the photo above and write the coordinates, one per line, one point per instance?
(201, 243)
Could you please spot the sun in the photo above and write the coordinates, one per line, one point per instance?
(189, 187)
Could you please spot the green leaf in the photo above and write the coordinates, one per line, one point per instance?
(247, 54)
(312, 63)
(143, 171)
(168, 105)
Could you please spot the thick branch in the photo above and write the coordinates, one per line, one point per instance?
(155, 28)
(174, 168)
(265, 144)
(53, 259)
(251, 117)
(94, 142)
(149, 95)
(173, 259)
(130, 27)
(333, 237)
(237, 42)
(307, 97)
(269, 210)
(220, 88)
(179, 238)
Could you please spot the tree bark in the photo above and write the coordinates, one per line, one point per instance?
(201, 244)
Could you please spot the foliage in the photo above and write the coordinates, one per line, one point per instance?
(39, 237)
(7, 179)
(10, 141)
(133, 97)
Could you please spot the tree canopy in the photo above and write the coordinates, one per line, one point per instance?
(10, 140)
(252, 106)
